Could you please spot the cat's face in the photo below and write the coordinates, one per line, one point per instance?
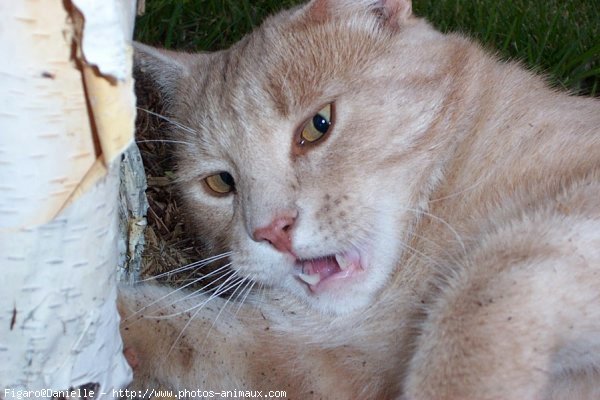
(310, 151)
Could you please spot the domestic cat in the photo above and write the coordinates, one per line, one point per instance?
(422, 219)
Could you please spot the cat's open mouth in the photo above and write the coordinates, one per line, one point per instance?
(317, 273)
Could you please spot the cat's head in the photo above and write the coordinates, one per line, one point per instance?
(308, 145)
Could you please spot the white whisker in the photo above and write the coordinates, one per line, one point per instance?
(435, 217)
(247, 290)
(222, 309)
(195, 293)
(451, 257)
(178, 289)
(195, 264)
(163, 141)
(198, 308)
(421, 254)
(169, 120)
(215, 293)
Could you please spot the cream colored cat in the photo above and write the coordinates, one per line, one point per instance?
(423, 218)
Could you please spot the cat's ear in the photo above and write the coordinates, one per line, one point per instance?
(161, 69)
(391, 12)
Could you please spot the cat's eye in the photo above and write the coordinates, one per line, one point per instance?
(317, 127)
(221, 183)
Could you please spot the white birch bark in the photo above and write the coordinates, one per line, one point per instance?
(66, 114)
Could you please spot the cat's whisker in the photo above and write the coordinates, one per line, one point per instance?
(463, 191)
(243, 301)
(231, 299)
(262, 294)
(163, 141)
(246, 291)
(195, 279)
(194, 265)
(220, 312)
(362, 236)
(234, 300)
(200, 306)
(422, 255)
(203, 291)
(196, 293)
(451, 257)
(441, 220)
(220, 289)
(169, 120)
(189, 321)
(178, 289)
(258, 291)
(158, 300)
(207, 261)
(471, 187)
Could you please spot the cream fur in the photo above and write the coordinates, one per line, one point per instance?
(470, 189)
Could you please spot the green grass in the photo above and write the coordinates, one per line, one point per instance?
(560, 38)
(202, 24)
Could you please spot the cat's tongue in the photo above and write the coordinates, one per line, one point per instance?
(317, 271)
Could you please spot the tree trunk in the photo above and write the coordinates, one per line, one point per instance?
(66, 114)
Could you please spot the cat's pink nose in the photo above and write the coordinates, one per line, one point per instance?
(277, 233)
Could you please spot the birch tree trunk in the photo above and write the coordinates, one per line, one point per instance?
(66, 113)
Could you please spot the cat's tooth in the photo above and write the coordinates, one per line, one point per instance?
(342, 262)
(310, 279)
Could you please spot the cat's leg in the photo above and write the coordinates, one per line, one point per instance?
(176, 342)
(520, 321)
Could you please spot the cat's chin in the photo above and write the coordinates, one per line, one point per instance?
(338, 296)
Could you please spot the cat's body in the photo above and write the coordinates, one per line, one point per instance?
(461, 191)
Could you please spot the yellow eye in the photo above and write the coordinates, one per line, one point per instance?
(221, 183)
(317, 127)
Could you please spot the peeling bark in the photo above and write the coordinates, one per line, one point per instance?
(62, 129)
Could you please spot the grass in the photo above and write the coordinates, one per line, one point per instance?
(202, 24)
(560, 38)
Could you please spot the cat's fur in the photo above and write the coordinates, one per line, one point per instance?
(470, 190)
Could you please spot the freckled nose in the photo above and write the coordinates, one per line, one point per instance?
(277, 233)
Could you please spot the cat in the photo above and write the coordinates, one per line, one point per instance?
(423, 219)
